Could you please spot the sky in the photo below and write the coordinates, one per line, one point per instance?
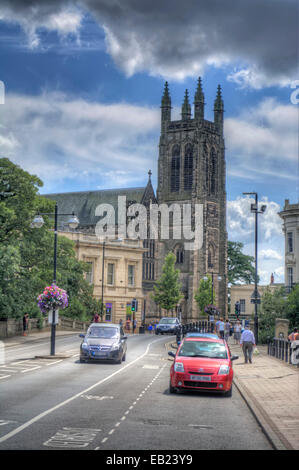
(83, 82)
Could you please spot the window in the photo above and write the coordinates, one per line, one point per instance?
(89, 273)
(242, 305)
(290, 242)
(290, 277)
(213, 173)
(131, 275)
(211, 255)
(110, 274)
(175, 169)
(188, 167)
(180, 255)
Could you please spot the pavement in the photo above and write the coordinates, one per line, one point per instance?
(269, 386)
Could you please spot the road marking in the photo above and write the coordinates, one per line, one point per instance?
(5, 376)
(72, 437)
(104, 440)
(111, 432)
(65, 402)
(32, 368)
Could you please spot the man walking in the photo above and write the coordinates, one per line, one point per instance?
(247, 342)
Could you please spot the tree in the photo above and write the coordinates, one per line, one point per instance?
(292, 307)
(240, 267)
(203, 295)
(167, 290)
(273, 305)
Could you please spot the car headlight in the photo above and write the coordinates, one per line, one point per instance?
(179, 367)
(84, 346)
(223, 370)
(115, 346)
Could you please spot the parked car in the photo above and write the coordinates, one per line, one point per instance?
(202, 363)
(201, 335)
(168, 325)
(103, 341)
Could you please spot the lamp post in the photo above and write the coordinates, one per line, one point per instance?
(38, 222)
(255, 298)
(219, 279)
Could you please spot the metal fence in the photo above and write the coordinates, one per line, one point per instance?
(281, 349)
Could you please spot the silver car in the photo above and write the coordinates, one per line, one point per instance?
(103, 341)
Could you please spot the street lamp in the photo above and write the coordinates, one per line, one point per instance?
(38, 222)
(219, 279)
(255, 299)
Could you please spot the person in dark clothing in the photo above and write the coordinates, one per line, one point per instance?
(25, 324)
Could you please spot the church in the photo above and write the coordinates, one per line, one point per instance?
(191, 173)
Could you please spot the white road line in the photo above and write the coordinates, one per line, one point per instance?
(111, 432)
(28, 370)
(54, 408)
(5, 376)
(104, 440)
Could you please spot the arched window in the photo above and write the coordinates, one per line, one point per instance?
(213, 172)
(188, 167)
(211, 256)
(175, 169)
(179, 255)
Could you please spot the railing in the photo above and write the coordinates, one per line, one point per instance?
(281, 349)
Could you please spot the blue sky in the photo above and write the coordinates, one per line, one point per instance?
(83, 85)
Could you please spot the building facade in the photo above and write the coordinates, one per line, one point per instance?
(191, 171)
(191, 174)
(115, 273)
(290, 217)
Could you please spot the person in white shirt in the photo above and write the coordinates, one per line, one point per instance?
(221, 328)
(237, 332)
(247, 342)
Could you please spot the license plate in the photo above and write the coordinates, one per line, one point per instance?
(201, 378)
(99, 353)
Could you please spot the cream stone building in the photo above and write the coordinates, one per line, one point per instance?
(243, 293)
(123, 260)
(290, 217)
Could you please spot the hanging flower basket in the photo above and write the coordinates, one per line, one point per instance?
(52, 298)
(211, 309)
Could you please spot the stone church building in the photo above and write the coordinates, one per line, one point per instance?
(191, 172)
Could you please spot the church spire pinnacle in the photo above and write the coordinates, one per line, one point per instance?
(219, 110)
(186, 108)
(165, 107)
(199, 101)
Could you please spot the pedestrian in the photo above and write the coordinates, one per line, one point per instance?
(128, 325)
(221, 327)
(25, 324)
(150, 328)
(227, 330)
(294, 336)
(121, 322)
(96, 318)
(237, 331)
(247, 343)
(217, 326)
(134, 325)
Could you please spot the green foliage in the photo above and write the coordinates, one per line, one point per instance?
(26, 253)
(167, 290)
(240, 267)
(292, 307)
(203, 295)
(273, 305)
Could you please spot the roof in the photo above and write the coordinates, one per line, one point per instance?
(84, 203)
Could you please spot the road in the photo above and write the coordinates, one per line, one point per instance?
(62, 404)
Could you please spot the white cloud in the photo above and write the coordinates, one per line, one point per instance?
(61, 138)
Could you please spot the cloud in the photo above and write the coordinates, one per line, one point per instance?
(263, 141)
(270, 254)
(61, 139)
(176, 39)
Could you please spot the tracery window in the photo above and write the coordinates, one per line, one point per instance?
(188, 167)
(175, 169)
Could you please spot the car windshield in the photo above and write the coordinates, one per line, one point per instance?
(167, 321)
(98, 332)
(203, 349)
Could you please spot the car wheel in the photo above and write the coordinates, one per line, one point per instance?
(229, 393)
(82, 360)
(171, 388)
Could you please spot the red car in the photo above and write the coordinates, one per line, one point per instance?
(202, 363)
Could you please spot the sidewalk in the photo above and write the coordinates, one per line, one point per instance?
(270, 387)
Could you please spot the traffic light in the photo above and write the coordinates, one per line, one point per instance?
(237, 308)
(134, 305)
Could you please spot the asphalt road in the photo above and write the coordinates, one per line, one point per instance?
(62, 404)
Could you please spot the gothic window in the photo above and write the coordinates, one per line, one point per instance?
(213, 172)
(211, 255)
(180, 255)
(188, 167)
(175, 169)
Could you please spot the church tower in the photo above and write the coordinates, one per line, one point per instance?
(191, 170)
